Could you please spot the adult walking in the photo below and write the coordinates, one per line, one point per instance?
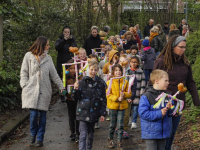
(62, 45)
(162, 35)
(180, 27)
(148, 27)
(173, 30)
(36, 70)
(173, 60)
(92, 41)
(155, 41)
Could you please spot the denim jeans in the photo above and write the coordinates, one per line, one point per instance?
(174, 122)
(86, 130)
(157, 53)
(135, 113)
(37, 128)
(147, 73)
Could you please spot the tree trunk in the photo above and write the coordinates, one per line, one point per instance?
(1, 39)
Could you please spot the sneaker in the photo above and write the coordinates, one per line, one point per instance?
(39, 143)
(77, 138)
(133, 126)
(108, 118)
(96, 126)
(125, 135)
(72, 136)
(110, 143)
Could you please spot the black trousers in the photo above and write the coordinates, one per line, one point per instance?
(73, 123)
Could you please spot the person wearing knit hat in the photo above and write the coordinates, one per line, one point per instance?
(173, 60)
(148, 56)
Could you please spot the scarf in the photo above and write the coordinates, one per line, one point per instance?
(43, 55)
(152, 35)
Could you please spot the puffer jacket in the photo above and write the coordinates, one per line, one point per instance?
(153, 125)
(112, 98)
(148, 56)
(91, 99)
(106, 66)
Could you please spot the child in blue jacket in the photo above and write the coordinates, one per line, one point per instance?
(154, 121)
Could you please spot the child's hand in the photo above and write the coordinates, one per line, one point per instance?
(102, 118)
(169, 104)
(164, 111)
(122, 95)
(120, 99)
(76, 85)
(129, 100)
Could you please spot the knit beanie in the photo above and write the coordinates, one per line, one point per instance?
(145, 42)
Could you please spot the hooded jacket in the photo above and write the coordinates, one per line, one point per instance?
(153, 125)
(91, 96)
(106, 69)
(148, 56)
(62, 46)
(174, 32)
(181, 73)
(112, 98)
(92, 42)
(121, 32)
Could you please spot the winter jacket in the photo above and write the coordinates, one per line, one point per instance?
(141, 84)
(35, 81)
(181, 73)
(121, 32)
(91, 96)
(129, 44)
(113, 45)
(62, 46)
(92, 42)
(157, 44)
(166, 30)
(139, 33)
(137, 38)
(174, 32)
(148, 56)
(102, 63)
(112, 98)
(106, 69)
(147, 29)
(163, 38)
(153, 125)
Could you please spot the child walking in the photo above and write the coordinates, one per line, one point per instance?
(90, 92)
(117, 103)
(72, 104)
(148, 56)
(139, 74)
(155, 124)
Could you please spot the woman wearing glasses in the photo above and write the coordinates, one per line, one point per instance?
(173, 60)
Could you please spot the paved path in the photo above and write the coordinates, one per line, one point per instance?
(57, 134)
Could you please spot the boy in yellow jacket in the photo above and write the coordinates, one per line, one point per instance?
(117, 103)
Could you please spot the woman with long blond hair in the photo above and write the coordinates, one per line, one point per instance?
(173, 30)
(36, 71)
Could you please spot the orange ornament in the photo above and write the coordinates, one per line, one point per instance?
(123, 64)
(102, 46)
(102, 38)
(122, 36)
(128, 51)
(116, 57)
(181, 88)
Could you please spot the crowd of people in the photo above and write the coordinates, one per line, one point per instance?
(118, 85)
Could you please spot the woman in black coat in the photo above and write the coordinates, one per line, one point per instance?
(63, 43)
(92, 41)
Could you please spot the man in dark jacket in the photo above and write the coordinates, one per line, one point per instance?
(148, 28)
(180, 27)
(93, 41)
(166, 28)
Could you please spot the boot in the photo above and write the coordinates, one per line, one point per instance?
(33, 139)
(110, 143)
(39, 143)
(119, 145)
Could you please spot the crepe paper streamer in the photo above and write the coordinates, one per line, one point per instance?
(106, 77)
(64, 77)
(95, 52)
(69, 88)
(131, 82)
(161, 101)
(111, 79)
(124, 72)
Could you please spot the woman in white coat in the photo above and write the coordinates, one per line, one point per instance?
(36, 71)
